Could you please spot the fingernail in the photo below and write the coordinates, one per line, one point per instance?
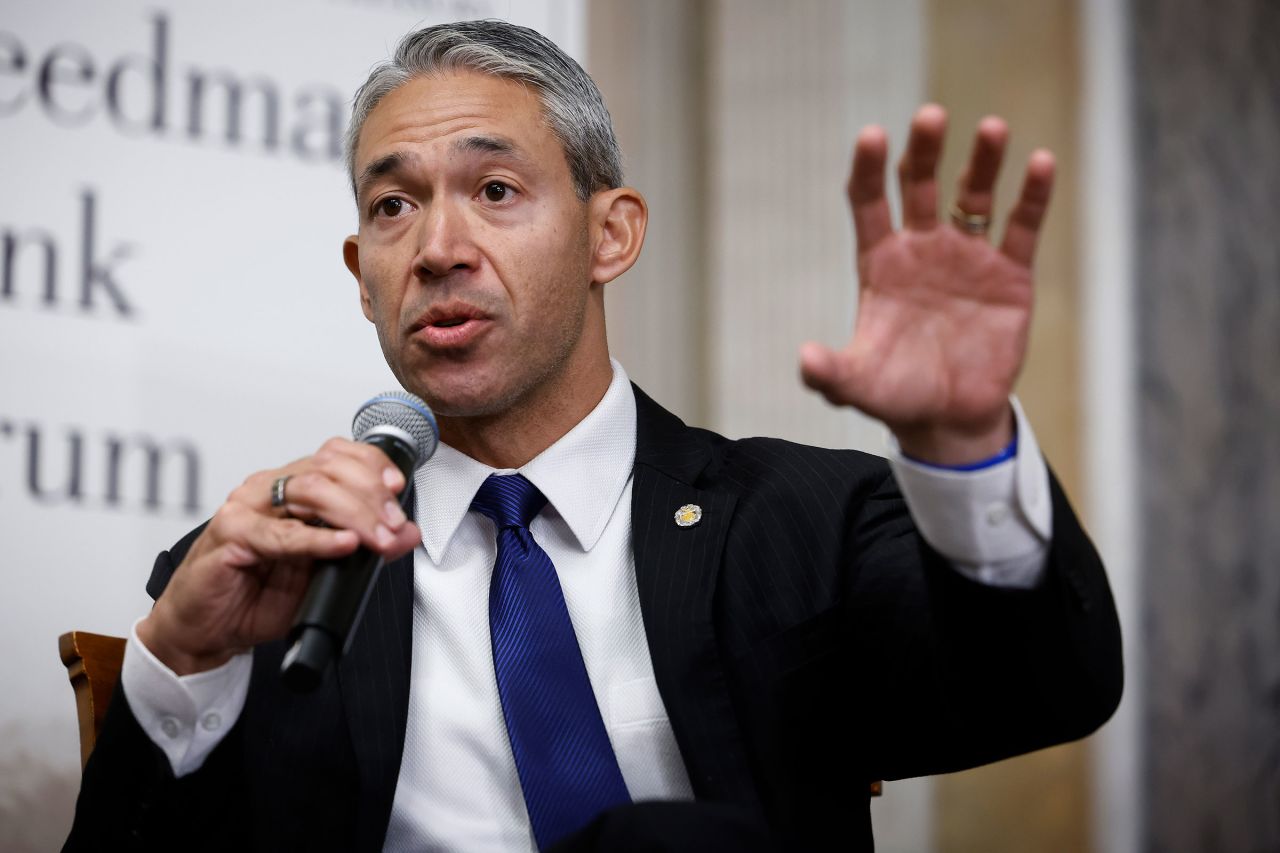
(392, 478)
(392, 512)
(384, 536)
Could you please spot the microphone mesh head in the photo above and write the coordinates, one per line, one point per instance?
(404, 411)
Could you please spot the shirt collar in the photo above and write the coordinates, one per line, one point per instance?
(583, 474)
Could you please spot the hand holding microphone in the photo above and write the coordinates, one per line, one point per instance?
(402, 427)
(246, 577)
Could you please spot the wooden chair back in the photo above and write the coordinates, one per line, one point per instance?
(93, 664)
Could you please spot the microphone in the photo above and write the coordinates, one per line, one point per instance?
(401, 426)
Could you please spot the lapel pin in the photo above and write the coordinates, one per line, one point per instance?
(688, 515)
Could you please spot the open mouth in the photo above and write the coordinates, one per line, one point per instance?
(448, 317)
(451, 326)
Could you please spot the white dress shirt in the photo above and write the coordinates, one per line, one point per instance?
(458, 788)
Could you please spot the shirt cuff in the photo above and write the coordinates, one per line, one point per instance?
(188, 715)
(994, 524)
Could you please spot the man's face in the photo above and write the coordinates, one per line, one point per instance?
(473, 253)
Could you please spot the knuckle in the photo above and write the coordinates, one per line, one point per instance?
(371, 453)
(1027, 216)
(238, 553)
(283, 538)
(226, 519)
(223, 514)
(333, 446)
(369, 456)
(302, 485)
(254, 486)
(243, 491)
(281, 535)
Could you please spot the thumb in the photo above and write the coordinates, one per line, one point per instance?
(823, 370)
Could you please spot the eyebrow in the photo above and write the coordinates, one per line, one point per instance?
(385, 165)
(496, 145)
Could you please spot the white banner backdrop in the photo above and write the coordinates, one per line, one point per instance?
(174, 312)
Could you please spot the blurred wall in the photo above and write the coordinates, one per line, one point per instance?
(1107, 331)
(1207, 110)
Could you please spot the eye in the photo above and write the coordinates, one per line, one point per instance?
(496, 191)
(390, 207)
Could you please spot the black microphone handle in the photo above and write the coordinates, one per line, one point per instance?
(337, 594)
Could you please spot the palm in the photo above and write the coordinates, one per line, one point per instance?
(941, 328)
(255, 603)
(943, 315)
(264, 601)
(243, 600)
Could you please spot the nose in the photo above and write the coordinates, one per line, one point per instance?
(445, 242)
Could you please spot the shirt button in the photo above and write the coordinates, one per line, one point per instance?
(997, 513)
(170, 727)
(211, 722)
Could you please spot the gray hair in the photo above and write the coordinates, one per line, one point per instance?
(571, 102)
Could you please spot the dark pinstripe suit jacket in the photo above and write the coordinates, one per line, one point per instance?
(804, 638)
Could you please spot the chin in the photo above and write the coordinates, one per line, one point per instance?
(466, 401)
(478, 389)
(462, 408)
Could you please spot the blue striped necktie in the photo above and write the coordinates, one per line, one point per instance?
(567, 768)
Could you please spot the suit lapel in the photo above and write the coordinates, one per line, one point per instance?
(676, 572)
(374, 680)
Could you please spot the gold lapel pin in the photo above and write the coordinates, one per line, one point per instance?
(688, 515)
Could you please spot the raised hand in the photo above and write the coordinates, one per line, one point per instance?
(244, 577)
(943, 315)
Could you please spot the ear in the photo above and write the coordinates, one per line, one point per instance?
(618, 221)
(351, 256)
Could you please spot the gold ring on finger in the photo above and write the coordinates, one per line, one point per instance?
(970, 223)
(277, 490)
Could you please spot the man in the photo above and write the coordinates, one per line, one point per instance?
(754, 626)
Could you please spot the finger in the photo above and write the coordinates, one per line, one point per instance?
(259, 489)
(976, 191)
(367, 455)
(250, 538)
(360, 469)
(872, 220)
(917, 170)
(407, 538)
(366, 472)
(1023, 230)
(347, 485)
(823, 370)
(344, 503)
